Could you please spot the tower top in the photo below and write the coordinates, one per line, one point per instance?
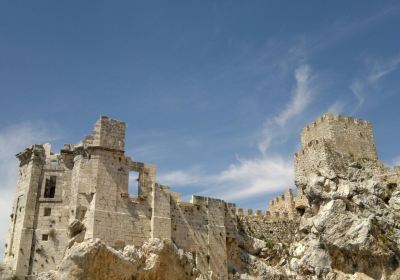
(345, 135)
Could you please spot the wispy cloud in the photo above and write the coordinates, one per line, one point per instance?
(357, 87)
(301, 98)
(377, 69)
(252, 177)
(266, 173)
(14, 139)
(381, 69)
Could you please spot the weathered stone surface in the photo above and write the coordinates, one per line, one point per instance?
(351, 230)
(156, 259)
(74, 219)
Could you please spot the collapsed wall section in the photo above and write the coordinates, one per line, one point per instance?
(116, 217)
(119, 219)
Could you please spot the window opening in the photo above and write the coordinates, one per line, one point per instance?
(50, 187)
(133, 184)
(47, 211)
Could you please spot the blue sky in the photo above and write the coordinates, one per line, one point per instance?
(214, 92)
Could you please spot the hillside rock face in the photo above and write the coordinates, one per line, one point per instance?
(351, 229)
(156, 259)
(352, 226)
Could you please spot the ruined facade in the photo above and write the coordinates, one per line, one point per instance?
(81, 193)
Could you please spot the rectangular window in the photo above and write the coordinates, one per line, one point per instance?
(45, 237)
(50, 187)
(47, 211)
(133, 184)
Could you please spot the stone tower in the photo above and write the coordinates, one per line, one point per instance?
(81, 194)
(332, 141)
(24, 213)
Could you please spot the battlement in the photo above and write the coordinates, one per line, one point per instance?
(287, 206)
(264, 215)
(346, 135)
(325, 123)
(283, 207)
(204, 201)
(331, 142)
(250, 212)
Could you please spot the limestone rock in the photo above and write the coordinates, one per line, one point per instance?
(252, 245)
(353, 229)
(156, 259)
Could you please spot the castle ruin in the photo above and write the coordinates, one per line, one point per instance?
(81, 193)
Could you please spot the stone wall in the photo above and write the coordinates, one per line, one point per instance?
(330, 143)
(199, 227)
(285, 207)
(81, 194)
(347, 135)
(280, 231)
(90, 201)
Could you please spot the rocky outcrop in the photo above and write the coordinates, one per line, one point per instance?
(352, 228)
(156, 259)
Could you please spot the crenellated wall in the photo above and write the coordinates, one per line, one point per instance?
(332, 141)
(81, 193)
(347, 135)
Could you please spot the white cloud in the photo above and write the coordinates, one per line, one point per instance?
(180, 178)
(14, 139)
(261, 175)
(243, 179)
(253, 177)
(302, 97)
